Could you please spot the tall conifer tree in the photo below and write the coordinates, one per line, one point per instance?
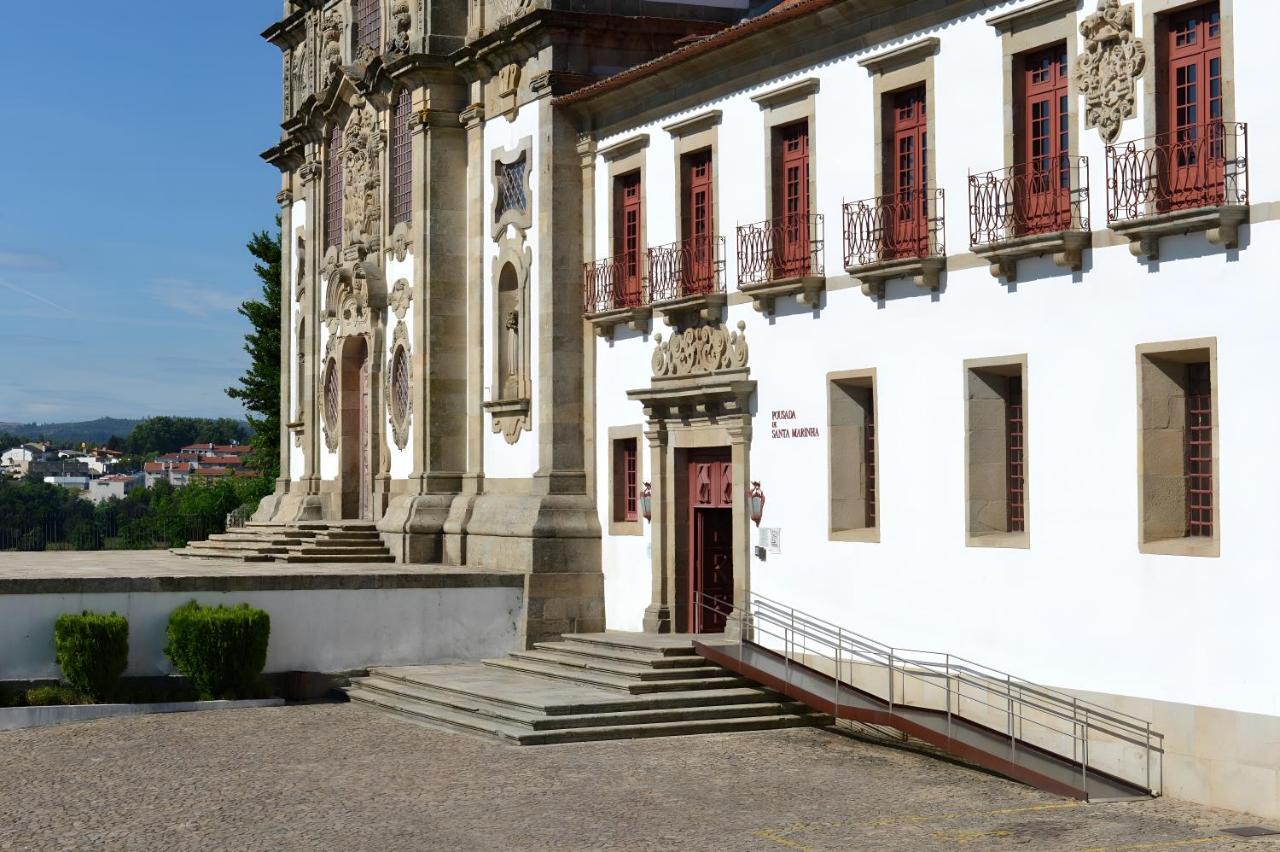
(259, 387)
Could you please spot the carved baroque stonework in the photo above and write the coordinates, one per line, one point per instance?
(401, 241)
(700, 351)
(1109, 66)
(361, 181)
(300, 252)
(398, 387)
(301, 72)
(401, 25)
(331, 48)
(400, 298)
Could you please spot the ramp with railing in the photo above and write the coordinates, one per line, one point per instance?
(1031, 733)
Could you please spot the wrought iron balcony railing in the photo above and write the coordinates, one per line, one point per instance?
(612, 284)
(776, 249)
(692, 267)
(1045, 197)
(900, 226)
(1194, 167)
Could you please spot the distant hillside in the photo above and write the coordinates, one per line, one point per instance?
(88, 431)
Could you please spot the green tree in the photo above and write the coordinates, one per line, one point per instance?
(259, 387)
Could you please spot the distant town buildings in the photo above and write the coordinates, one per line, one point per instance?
(94, 471)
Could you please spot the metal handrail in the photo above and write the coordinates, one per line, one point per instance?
(805, 635)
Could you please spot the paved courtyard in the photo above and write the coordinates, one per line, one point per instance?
(343, 777)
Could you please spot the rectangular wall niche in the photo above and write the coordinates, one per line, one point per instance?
(1178, 448)
(996, 452)
(626, 474)
(852, 456)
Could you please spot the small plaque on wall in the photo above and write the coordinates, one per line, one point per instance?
(771, 539)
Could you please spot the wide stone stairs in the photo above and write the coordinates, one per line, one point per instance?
(302, 542)
(589, 686)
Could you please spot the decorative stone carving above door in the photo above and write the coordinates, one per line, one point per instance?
(700, 350)
(1108, 68)
(361, 182)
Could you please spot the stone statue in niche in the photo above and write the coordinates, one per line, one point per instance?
(510, 344)
(511, 381)
(1109, 66)
(398, 44)
(331, 53)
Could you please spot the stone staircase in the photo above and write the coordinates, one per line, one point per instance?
(303, 542)
(589, 686)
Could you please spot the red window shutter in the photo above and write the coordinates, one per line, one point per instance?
(1198, 438)
(1192, 139)
(1043, 142)
(626, 240)
(698, 222)
(907, 176)
(792, 197)
(1015, 458)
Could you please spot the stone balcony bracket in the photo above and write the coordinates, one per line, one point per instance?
(805, 289)
(1066, 248)
(1221, 226)
(637, 319)
(924, 272)
(690, 310)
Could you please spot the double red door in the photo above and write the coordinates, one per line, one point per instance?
(710, 540)
(626, 240)
(1193, 138)
(698, 222)
(907, 209)
(1043, 189)
(791, 250)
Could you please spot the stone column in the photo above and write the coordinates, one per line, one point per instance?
(657, 616)
(587, 153)
(739, 430)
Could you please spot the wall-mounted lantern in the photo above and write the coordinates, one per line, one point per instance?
(756, 497)
(646, 502)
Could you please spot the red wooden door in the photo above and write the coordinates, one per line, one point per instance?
(710, 540)
(366, 467)
(626, 240)
(1043, 189)
(698, 221)
(907, 231)
(1193, 138)
(791, 253)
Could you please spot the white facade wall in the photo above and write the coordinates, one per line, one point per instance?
(1081, 608)
(296, 463)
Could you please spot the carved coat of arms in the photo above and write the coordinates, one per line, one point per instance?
(1109, 66)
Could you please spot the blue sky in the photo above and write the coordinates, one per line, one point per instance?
(129, 184)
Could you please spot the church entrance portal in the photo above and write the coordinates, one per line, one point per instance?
(354, 456)
(710, 547)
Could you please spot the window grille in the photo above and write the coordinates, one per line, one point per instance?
(331, 397)
(510, 180)
(626, 489)
(400, 387)
(333, 190)
(1015, 464)
(869, 463)
(401, 160)
(368, 14)
(1199, 452)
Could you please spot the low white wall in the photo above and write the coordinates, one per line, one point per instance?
(323, 630)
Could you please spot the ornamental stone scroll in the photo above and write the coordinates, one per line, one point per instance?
(700, 351)
(1108, 68)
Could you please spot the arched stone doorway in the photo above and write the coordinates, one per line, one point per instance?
(355, 453)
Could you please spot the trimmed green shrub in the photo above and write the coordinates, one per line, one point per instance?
(92, 650)
(50, 696)
(221, 649)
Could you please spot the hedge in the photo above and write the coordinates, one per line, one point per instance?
(221, 649)
(92, 650)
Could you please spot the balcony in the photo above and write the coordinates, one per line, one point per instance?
(1030, 210)
(1193, 179)
(782, 257)
(613, 294)
(896, 236)
(686, 280)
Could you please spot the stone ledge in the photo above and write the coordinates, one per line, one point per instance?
(688, 310)
(1067, 248)
(605, 322)
(806, 289)
(1221, 226)
(924, 272)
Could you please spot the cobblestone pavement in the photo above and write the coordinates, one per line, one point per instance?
(343, 777)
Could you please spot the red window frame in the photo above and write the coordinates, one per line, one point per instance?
(627, 248)
(626, 479)
(1015, 457)
(791, 201)
(907, 174)
(1192, 131)
(1042, 141)
(1198, 451)
(869, 460)
(333, 190)
(697, 215)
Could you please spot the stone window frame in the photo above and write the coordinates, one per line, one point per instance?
(779, 107)
(522, 219)
(689, 136)
(623, 433)
(866, 379)
(1178, 351)
(621, 158)
(1154, 14)
(894, 71)
(1005, 365)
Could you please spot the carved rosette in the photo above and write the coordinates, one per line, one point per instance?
(700, 351)
(361, 181)
(399, 385)
(1109, 66)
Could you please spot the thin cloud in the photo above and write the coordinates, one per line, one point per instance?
(194, 299)
(21, 260)
(36, 296)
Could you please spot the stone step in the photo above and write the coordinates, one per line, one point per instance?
(354, 550)
(543, 721)
(578, 661)
(605, 652)
(613, 681)
(660, 644)
(351, 526)
(235, 538)
(317, 558)
(524, 735)
(238, 547)
(212, 553)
